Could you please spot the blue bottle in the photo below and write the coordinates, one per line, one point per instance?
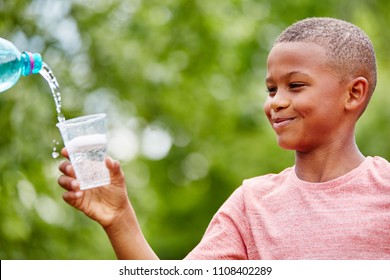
(14, 64)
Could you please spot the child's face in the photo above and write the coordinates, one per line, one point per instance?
(305, 105)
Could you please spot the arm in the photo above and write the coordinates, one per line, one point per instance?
(110, 207)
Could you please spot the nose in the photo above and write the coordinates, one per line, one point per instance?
(278, 102)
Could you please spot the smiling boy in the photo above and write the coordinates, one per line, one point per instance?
(334, 203)
(313, 110)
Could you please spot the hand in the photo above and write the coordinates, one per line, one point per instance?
(102, 204)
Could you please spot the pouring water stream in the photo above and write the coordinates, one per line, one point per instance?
(48, 75)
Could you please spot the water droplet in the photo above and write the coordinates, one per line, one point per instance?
(55, 153)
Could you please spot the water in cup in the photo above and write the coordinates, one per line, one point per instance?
(86, 141)
(87, 154)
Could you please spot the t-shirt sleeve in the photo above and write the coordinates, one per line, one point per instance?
(225, 236)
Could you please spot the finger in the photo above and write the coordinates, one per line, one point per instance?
(72, 197)
(116, 174)
(112, 165)
(67, 168)
(68, 183)
(64, 152)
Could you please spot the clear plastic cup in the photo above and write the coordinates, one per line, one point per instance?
(85, 138)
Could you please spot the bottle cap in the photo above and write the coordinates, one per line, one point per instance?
(32, 63)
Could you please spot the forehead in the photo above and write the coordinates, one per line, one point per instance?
(296, 56)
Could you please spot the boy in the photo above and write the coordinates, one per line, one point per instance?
(334, 203)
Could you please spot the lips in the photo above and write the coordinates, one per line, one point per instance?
(278, 123)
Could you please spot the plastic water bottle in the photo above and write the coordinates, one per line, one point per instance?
(14, 64)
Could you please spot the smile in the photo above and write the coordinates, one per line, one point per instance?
(279, 123)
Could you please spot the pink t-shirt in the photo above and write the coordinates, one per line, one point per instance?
(279, 216)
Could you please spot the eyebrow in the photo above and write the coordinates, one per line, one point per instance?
(288, 75)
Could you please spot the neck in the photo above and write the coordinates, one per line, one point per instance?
(327, 163)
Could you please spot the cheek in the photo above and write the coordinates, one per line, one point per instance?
(266, 108)
(305, 107)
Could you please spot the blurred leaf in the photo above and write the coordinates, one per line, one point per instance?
(182, 82)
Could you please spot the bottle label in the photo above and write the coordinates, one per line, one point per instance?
(32, 62)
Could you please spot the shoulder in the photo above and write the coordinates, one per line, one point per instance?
(268, 182)
(256, 189)
(378, 168)
(379, 162)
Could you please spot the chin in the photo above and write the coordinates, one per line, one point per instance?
(288, 145)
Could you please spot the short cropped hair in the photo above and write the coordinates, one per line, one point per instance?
(349, 50)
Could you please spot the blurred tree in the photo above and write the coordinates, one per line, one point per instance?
(182, 82)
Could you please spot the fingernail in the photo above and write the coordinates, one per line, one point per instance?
(78, 194)
(74, 184)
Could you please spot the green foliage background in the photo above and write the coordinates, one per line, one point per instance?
(182, 82)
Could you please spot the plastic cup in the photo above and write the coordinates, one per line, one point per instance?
(85, 139)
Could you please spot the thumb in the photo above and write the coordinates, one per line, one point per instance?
(117, 176)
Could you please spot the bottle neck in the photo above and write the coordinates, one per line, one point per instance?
(31, 62)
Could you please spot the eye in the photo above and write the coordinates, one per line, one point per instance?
(272, 91)
(296, 86)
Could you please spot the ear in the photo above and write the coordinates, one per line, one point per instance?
(357, 96)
